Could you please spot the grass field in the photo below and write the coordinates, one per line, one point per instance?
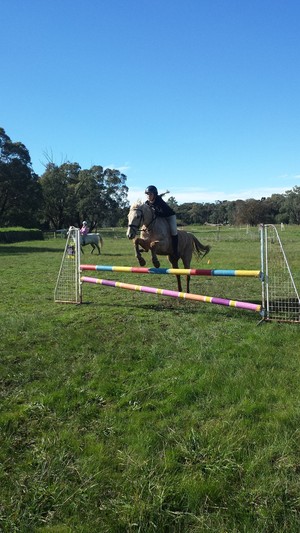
(139, 413)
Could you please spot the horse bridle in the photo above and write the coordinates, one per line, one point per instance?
(137, 226)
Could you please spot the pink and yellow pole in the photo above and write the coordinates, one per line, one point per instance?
(173, 294)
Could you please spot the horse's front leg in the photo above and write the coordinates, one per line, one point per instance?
(179, 283)
(188, 279)
(155, 260)
(138, 254)
(174, 263)
(187, 265)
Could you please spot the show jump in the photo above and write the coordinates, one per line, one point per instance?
(280, 300)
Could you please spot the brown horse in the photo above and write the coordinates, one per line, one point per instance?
(155, 236)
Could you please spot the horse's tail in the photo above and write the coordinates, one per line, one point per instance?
(198, 248)
(101, 241)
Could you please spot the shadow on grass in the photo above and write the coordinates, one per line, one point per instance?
(150, 307)
(21, 250)
(101, 255)
(184, 310)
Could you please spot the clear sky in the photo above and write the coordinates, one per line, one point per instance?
(200, 97)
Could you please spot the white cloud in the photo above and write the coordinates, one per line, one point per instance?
(123, 169)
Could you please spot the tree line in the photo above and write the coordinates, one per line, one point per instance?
(276, 209)
(66, 194)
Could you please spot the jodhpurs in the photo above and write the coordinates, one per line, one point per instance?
(173, 224)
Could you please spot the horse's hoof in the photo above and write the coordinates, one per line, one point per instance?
(142, 262)
(156, 264)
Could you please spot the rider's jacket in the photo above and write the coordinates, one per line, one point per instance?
(84, 230)
(161, 208)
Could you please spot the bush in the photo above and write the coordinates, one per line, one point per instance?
(9, 235)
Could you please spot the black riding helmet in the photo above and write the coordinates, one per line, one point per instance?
(151, 189)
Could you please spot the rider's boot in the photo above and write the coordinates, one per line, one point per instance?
(175, 246)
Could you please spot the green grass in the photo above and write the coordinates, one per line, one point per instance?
(139, 413)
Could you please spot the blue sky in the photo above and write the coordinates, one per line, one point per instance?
(200, 97)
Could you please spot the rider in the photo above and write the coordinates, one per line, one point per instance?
(162, 209)
(84, 230)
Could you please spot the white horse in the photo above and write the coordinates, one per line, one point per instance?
(94, 239)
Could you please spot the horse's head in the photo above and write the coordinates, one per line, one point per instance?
(135, 220)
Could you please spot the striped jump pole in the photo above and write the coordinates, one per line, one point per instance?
(173, 294)
(176, 271)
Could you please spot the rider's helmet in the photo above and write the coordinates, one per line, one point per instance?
(151, 189)
(84, 223)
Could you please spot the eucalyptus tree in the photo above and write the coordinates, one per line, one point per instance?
(172, 202)
(194, 213)
(20, 193)
(290, 208)
(271, 209)
(250, 211)
(72, 194)
(59, 197)
(101, 196)
(220, 212)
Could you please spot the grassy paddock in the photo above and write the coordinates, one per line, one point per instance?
(139, 413)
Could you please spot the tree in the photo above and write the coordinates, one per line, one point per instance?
(20, 192)
(72, 195)
(197, 213)
(194, 213)
(249, 212)
(271, 209)
(172, 202)
(220, 212)
(59, 202)
(291, 206)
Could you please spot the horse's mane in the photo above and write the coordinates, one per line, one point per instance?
(137, 204)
